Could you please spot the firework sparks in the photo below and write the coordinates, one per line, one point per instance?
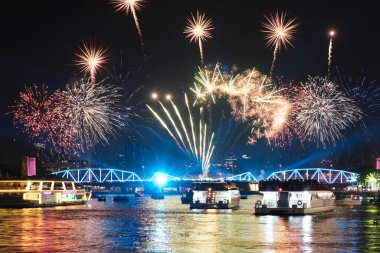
(207, 82)
(91, 59)
(200, 145)
(252, 98)
(198, 29)
(131, 6)
(32, 111)
(323, 112)
(279, 32)
(365, 93)
(332, 33)
(93, 112)
(372, 179)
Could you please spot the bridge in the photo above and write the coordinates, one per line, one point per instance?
(98, 175)
(110, 175)
(328, 176)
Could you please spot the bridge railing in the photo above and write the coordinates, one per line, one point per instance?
(329, 176)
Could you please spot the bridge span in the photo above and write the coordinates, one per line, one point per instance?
(111, 175)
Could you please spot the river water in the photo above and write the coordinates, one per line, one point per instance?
(146, 225)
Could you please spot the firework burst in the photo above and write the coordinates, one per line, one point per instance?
(372, 179)
(33, 111)
(279, 32)
(92, 112)
(252, 98)
(323, 112)
(130, 7)
(198, 29)
(207, 83)
(91, 59)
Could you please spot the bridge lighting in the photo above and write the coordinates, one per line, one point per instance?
(161, 179)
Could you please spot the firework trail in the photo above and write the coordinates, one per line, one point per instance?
(323, 112)
(198, 29)
(191, 125)
(201, 146)
(165, 126)
(130, 6)
(92, 112)
(183, 126)
(279, 32)
(90, 59)
(174, 125)
(332, 33)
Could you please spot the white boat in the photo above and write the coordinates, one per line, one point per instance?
(215, 195)
(295, 202)
(40, 193)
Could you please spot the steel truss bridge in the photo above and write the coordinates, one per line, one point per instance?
(98, 175)
(328, 176)
(110, 175)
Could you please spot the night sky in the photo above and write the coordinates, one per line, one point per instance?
(39, 40)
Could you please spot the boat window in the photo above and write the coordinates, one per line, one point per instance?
(46, 185)
(206, 186)
(34, 186)
(13, 185)
(78, 186)
(69, 186)
(58, 186)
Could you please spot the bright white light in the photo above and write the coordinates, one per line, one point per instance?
(161, 179)
(168, 97)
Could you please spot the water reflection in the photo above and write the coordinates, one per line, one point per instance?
(144, 224)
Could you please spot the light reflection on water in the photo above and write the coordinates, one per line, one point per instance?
(150, 225)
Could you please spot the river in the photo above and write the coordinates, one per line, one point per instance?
(146, 225)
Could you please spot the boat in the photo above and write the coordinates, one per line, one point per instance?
(295, 202)
(41, 193)
(344, 199)
(102, 198)
(157, 195)
(215, 195)
(120, 199)
(187, 197)
(138, 195)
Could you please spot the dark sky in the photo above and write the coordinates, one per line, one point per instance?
(39, 39)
